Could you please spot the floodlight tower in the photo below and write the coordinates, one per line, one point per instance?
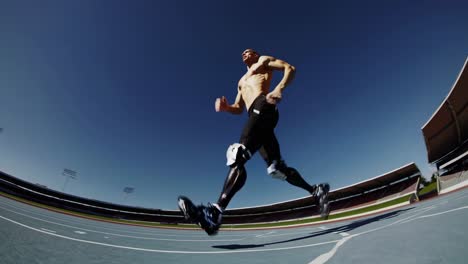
(127, 191)
(69, 174)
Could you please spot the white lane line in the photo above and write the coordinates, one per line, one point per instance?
(424, 209)
(326, 256)
(127, 236)
(441, 213)
(436, 214)
(269, 233)
(80, 232)
(47, 230)
(166, 251)
(344, 234)
(461, 197)
(150, 232)
(323, 228)
(394, 223)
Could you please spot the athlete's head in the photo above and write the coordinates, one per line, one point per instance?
(250, 56)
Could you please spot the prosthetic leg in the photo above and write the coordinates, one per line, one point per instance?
(237, 155)
(280, 170)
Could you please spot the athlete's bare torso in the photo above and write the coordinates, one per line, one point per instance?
(255, 81)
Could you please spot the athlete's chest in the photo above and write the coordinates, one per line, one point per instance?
(255, 78)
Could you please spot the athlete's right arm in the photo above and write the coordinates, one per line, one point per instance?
(221, 105)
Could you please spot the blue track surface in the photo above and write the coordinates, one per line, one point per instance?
(435, 231)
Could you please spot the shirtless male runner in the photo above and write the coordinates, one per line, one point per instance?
(253, 94)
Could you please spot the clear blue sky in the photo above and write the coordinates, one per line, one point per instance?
(123, 91)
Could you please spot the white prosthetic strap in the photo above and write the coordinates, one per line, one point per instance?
(231, 153)
(275, 173)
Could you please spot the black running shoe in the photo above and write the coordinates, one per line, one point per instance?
(325, 212)
(321, 194)
(189, 210)
(210, 219)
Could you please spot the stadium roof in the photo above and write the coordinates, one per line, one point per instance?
(447, 129)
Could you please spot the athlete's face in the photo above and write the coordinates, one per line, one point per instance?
(249, 55)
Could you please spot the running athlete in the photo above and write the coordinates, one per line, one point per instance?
(253, 94)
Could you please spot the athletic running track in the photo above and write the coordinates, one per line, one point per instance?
(433, 231)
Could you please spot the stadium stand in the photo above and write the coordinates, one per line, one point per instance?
(446, 136)
(40, 194)
(395, 184)
(452, 181)
(392, 185)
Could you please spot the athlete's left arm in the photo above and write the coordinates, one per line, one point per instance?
(289, 71)
(277, 64)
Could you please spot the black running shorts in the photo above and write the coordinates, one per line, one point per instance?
(258, 133)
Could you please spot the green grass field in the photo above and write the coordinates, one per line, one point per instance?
(331, 217)
(429, 188)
